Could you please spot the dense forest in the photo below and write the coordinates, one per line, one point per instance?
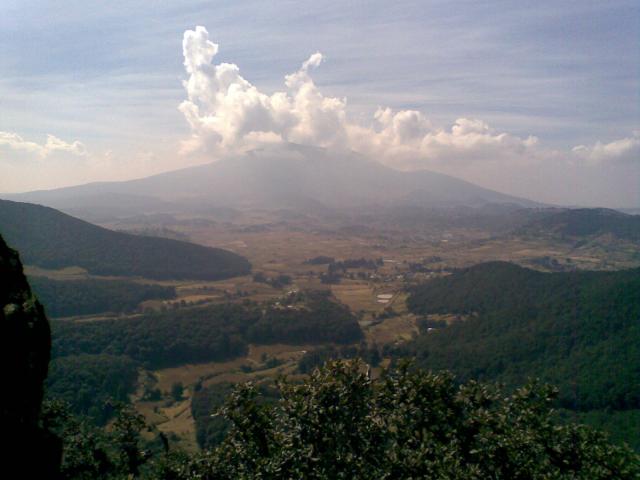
(319, 320)
(204, 334)
(576, 330)
(348, 263)
(317, 357)
(89, 382)
(97, 360)
(51, 239)
(161, 339)
(65, 298)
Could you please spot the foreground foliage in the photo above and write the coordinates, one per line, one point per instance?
(339, 423)
(211, 430)
(90, 452)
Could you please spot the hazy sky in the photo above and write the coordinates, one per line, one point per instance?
(538, 99)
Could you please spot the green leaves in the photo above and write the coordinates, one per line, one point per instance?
(409, 423)
(341, 424)
(577, 330)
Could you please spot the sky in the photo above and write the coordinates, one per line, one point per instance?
(536, 99)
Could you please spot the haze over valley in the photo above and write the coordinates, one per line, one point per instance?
(417, 255)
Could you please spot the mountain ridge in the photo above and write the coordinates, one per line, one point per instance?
(51, 239)
(290, 176)
(585, 222)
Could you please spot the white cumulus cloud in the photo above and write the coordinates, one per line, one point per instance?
(53, 144)
(624, 149)
(226, 112)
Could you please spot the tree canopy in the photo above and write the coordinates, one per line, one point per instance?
(576, 330)
(65, 298)
(409, 423)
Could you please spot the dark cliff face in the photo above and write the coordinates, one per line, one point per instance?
(25, 348)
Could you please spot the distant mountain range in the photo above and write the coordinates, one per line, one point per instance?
(51, 239)
(301, 182)
(290, 176)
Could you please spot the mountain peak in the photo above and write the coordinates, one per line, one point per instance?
(288, 176)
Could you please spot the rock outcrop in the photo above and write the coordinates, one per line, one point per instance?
(25, 348)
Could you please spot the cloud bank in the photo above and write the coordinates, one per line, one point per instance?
(622, 150)
(227, 113)
(53, 144)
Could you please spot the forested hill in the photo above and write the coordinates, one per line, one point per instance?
(577, 330)
(66, 298)
(585, 222)
(51, 239)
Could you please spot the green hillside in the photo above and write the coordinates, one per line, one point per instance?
(577, 330)
(585, 222)
(65, 298)
(51, 239)
(207, 333)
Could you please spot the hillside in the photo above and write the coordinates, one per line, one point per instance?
(570, 329)
(209, 333)
(289, 176)
(51, 239)
(65, 298)
(585, 222)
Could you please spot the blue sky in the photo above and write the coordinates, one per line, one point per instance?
(109, 75)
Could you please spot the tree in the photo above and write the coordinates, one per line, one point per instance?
(91, 452)
(410, 423)
(177, 390)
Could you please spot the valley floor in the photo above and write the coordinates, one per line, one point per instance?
(376, 296)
